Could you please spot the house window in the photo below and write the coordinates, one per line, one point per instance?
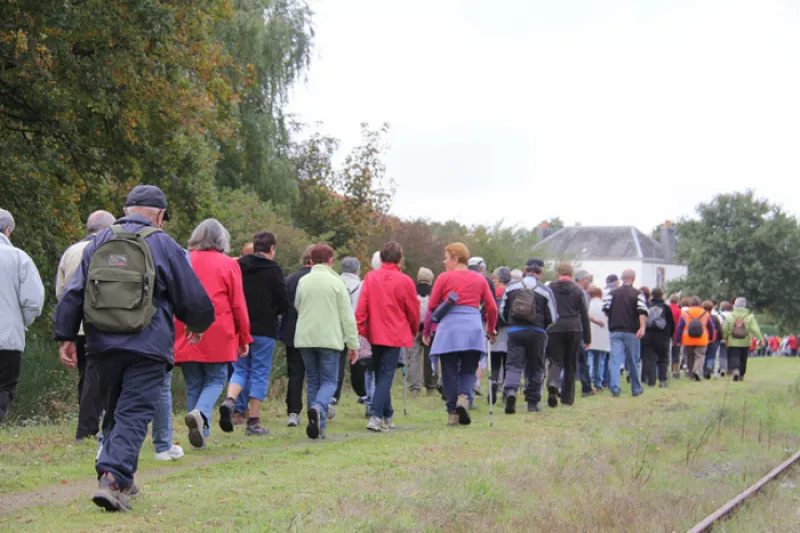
(660, 277)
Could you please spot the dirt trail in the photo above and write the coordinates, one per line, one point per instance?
(66, 493)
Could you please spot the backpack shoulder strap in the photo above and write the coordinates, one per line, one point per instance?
(147, 231)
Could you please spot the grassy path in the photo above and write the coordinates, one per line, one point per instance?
(656, 463)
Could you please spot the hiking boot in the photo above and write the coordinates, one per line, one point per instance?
(735, 375)
(588, 393)
(239, 419)
(511, 404)
(676, 375)
(294, 420)
(376, 424)
(472, 406)
(662, 384)
(722, 373)
(697, 377)
(452, 419)
(533, 407)
(616, 393)
(462, 408)
(255, 429)
(599, 388)
(635, 394)
(552, 396)
(415, 393)
(109, 496)
(313, 427)
(173, 454)
(707, 374)
(226, 414)
(194, 421)
(387, 423)
(331, 412)
(132, 491)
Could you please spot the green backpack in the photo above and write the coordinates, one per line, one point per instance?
(120, 283)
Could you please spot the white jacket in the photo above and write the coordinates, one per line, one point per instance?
(21, 295)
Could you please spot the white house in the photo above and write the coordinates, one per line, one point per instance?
(604, 250)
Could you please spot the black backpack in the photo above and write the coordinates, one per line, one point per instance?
(696, 326)
(523, 308)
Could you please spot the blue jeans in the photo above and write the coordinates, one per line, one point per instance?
(625, 348)
(598, 364)
(162, 420)
(204, 384)
(384, 359)
(711, 355)
(252, 372)
(322, 378)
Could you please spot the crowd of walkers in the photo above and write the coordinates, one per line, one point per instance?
(133, 304)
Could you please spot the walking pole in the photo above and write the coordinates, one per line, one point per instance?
(489, 363)
(405, 389)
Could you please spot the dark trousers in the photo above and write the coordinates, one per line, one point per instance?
(583, 369)
(737, 359)
(90, 401)
(296, 370)
(429, 376)
(676, 354)
(525, 354)
(562, 355)
(384, 360)
(458, 375)
(340, 378)
(131, 385)
(655, 361)
(9, 376)
(358, 378)
(499, 360)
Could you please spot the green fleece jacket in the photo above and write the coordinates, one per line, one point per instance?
(749, 321)
(325, 316)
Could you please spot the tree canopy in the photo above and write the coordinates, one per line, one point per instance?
(741, 245)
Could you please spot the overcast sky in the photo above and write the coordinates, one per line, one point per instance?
(598, 112)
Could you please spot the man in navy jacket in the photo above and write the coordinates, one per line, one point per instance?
(131, 366)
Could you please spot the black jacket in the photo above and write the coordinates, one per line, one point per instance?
(654, 335)
(289, 325)
(265, 292)
(543, 316)
(623, 306)
(573, 317)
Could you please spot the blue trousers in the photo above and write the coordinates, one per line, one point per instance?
(204, 384)
(625, 348)
(384, 359)
(252, 372)
(322, 376)
(132, 387)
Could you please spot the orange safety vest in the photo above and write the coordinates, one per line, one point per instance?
(688, 316)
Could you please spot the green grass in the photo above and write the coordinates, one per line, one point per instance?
(658, 463)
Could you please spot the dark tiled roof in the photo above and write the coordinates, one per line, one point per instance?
(600, 242)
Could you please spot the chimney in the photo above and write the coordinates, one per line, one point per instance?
(668, 241)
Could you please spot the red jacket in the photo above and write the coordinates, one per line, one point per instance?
(388, 309)
(222, 279)
(676, 316)
(793, 343)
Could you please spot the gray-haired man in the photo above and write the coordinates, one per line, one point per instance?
(21, 301)
(90, 401)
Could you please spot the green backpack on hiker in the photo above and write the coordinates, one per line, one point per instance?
(120, 283)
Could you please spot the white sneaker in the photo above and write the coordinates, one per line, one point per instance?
(173, 454)
(331, 412)
(375, 424)
(388, 423)
(294, 420)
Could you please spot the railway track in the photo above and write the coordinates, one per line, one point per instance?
(711, 520)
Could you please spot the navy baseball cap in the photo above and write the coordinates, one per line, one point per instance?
(147, 196)
(535, 262)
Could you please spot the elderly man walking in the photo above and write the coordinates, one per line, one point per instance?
(626, 310)
(90, 402)
(132, 282)
(21, 301)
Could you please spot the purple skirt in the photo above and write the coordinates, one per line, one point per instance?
(461, 330)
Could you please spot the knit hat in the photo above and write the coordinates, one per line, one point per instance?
(425, 275)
